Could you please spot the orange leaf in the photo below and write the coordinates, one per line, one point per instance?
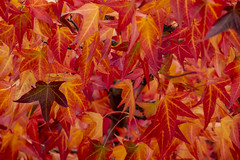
(148, 38)
(75, 97)
(127, 96)
(36, 61)
(98, 119)
(232, 69)
(11, 142)
(5, 96)
(7, 34)
(101, 105)
(119, 153)
(90, 14)
(234, 134)
(137, 151)
(6, 61)
(27, 79)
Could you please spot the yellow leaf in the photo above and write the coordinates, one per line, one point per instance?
(119, 153)
(96, 117)
(5, 61)
(149, 108)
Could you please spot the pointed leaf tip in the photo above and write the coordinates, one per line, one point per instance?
(46, 94)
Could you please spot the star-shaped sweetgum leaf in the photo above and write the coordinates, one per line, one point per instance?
(46, 94)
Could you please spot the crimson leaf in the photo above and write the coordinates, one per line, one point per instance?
(46, 94)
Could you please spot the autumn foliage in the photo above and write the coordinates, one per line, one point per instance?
(120, 79)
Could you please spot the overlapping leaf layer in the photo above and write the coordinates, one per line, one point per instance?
(119, 79)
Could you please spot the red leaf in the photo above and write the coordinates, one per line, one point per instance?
(106, 48)
(60, 42)
(93, 150)
(121, 47)
(182, 109)
(207, 11)
(235, 90)
(126, 10)
(164, 123)
(41, 14)
(7, 7)
(21, 23)
(178, 9)
(211, 93)
(180, 49)
(38, 10)
(232, 70)
(62, 145)
(134, 35)
(131, 59)
(85, 68)
(32, 130)
(180, 135)
(57, 8)
(3, 9)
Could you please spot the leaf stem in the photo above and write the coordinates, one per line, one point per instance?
(114, 112)
(75, 25)
(177, 76)
(112, 130)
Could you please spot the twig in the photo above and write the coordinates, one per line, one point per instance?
(75, 25)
